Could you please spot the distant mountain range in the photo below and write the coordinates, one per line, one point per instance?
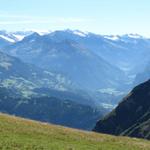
(13, 37)
(29, 91)
(80, 68)
(69, 58)
(123, 52)
(100, 54)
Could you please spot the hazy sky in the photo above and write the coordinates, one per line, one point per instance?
(99, 16)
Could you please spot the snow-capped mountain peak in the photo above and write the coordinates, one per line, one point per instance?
(14, 36)
(80, 33)
(7, 38)
(112, 37)
(135, 36)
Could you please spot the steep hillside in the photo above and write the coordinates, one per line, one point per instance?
(17, 133)
(131, 117)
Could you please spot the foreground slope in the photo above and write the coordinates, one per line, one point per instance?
(24, 134)
(131, 117)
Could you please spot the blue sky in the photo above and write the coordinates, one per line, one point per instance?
(99, 16)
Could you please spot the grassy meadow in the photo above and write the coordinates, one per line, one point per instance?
(22, 134)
